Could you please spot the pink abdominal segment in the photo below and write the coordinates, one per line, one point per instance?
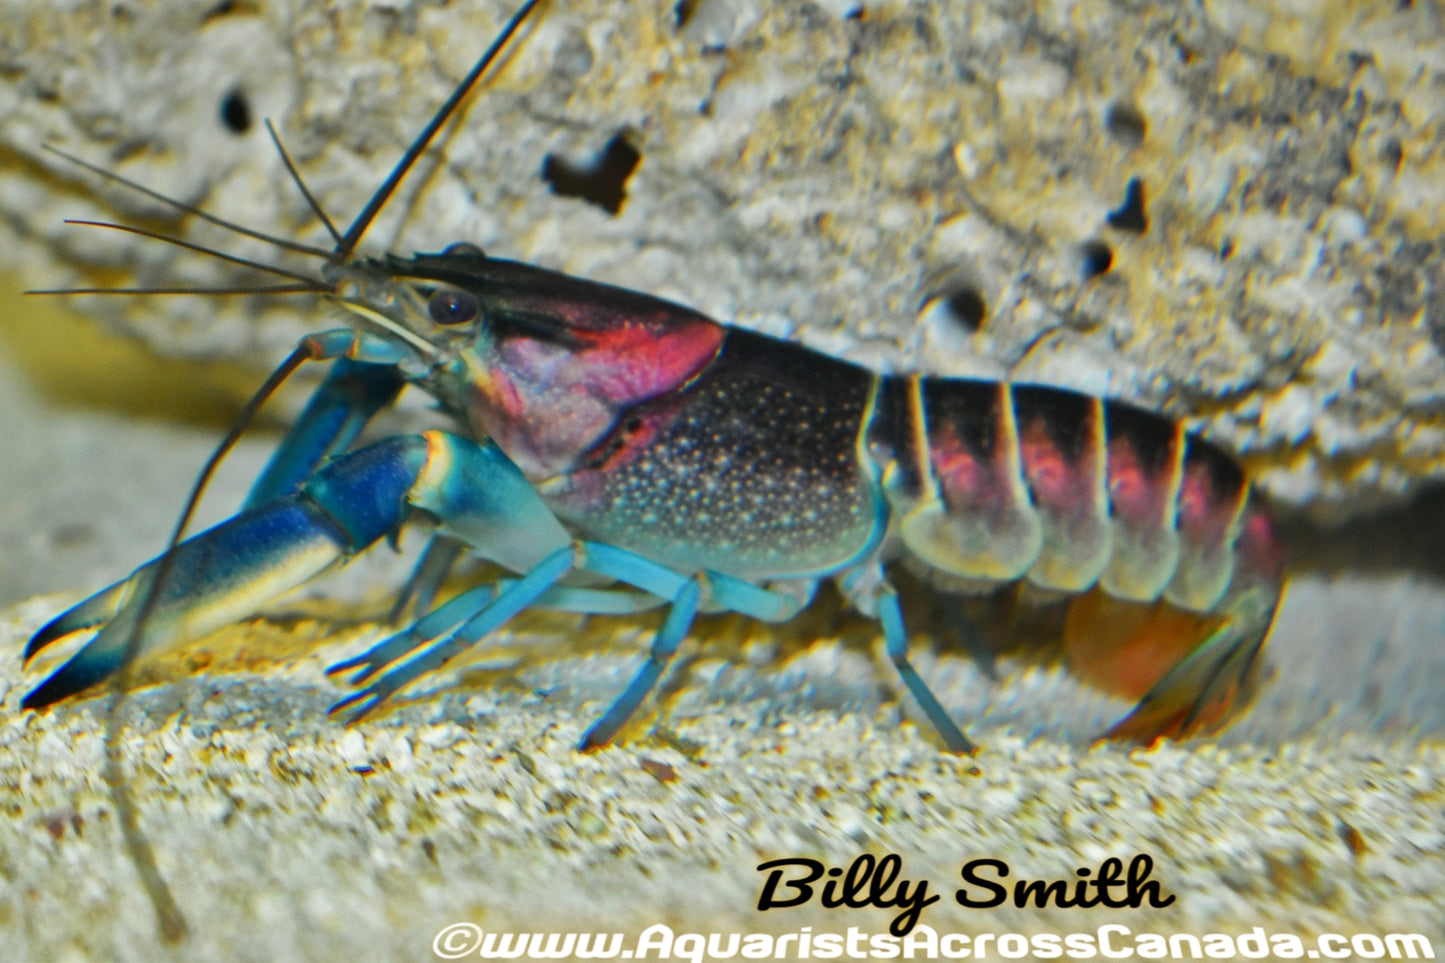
(1206, 513)
(1137, 498)
(1054, 481)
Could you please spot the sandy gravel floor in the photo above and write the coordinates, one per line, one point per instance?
(286, 835)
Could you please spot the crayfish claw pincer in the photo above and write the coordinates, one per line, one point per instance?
(356, 706)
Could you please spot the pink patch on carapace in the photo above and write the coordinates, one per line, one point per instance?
(547, 402)
(635, 362)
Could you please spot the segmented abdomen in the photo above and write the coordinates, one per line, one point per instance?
(992, 482)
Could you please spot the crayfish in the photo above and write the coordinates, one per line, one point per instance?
(614, 452)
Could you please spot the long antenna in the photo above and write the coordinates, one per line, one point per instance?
(256, 289)
(172, 923)
(423, 140)
(301, 183)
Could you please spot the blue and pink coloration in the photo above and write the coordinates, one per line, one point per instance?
(617, 452)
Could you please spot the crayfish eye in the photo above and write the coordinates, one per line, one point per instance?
(463, 249)
(452, 307)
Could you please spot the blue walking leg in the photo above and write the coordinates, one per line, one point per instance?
(471, 602)
(726, 592)
(896, 640)
(437, 559)
(534, 588)
(664, 646)
(540, 588)
(588, 601)
(424, 630)
(508, 603)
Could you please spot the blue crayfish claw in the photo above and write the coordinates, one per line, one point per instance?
(225, 573)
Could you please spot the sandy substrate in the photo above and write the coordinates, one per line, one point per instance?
(284, 834)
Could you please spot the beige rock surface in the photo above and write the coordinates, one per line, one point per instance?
(824, 171)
